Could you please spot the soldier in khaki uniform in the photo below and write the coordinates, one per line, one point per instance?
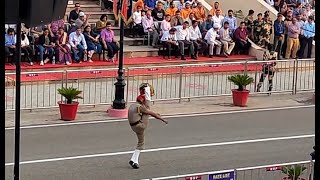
(138, 117)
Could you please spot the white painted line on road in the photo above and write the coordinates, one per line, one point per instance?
(167, 116)
(167, 149)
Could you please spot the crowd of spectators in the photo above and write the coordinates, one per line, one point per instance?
(176, 26)
(64, 42)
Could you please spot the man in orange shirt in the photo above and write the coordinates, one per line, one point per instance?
(171, 10)
(215, 7)
(199, 12)
(185, 12)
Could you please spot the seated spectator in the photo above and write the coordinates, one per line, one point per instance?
(101, 24)
(249, 23)
(109, 42)
(185, 12)
(74, 14)
(158, 12)
(149, 27)
(62, 51)
(165, 24)
(190, 18)
(137, 22)
(183, 38)
(231, 20)
(92, 40)
(10, 44)
(150, 4)
(278, 35)
(212, 39)
(226, 39)
(167, 4)
(206, 25)
(37, 31)
(26, 48)
(171, 10)
(78, 45)
(169, 40)
(82, 21)
(291, 3)
(241, 36)
(54, 26)
(218, 18)
(215, 7)
(200, 46)
(199, 12)
(45, 47)
(177, 20)
(257, 28)
(298, 10)
(181, 4)
(307, 37)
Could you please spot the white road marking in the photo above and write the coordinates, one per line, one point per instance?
(167, 149)
(167, 116)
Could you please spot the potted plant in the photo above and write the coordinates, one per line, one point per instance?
(68, 108)
(293, 172)
(240, 95)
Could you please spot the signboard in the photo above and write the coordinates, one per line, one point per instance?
(222, 176)
(198, 177)
(275, 168)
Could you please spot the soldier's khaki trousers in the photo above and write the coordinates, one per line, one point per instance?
(139, 130)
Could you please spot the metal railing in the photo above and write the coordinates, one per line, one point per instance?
(266, 172)
(173, 82)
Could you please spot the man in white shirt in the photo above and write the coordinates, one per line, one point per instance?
(226, 39)
(211, 38)
(149, 27)
(137, 22)
(183, 37)
(78, 44)
(218, 18)
(196, 38)
(169, 40)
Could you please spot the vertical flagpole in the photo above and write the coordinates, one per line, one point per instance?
(119, 102)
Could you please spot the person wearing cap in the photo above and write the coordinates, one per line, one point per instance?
(266, 31)
(200, 46)
(268, 69)
(183, 37)
(82, 21)
(249, 22)
(257, 28)
(74, 14)
(185, 12)
(199, 12)
(171, 10)
(147, 90)
(169, 41)
(138, 118)
(211, 38)
(241, 37)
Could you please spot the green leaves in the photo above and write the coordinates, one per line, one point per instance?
(293, 171)
(240, 80)
(70, 93)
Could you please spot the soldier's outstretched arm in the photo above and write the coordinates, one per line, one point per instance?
(156, 115)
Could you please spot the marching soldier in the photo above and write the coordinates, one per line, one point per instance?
(268, 69)
(147, 90)
(138, 117)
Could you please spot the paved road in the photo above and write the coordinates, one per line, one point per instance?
(101, 91)
(79, 140)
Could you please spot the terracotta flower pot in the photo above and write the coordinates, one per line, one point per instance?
(240, 98)
(68, 112)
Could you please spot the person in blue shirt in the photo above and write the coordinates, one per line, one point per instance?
(278, 27)
(10, 44)
(231, 20)
(307, 37)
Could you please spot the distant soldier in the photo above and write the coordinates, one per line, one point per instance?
(257, 28)
(138, 117)
(266, 31)
(268, 69)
